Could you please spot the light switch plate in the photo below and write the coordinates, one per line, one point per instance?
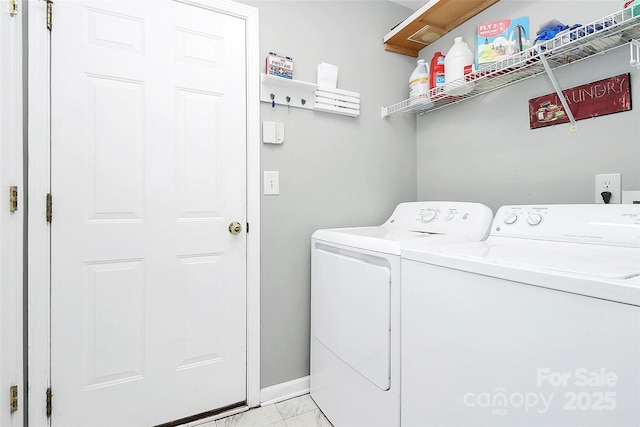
(271, 183)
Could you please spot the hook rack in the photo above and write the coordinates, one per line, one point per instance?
(287, 92)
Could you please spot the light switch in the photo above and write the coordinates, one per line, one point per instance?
(271, 183)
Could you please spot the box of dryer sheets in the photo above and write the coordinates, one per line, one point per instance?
(500, 39)
(280, 66)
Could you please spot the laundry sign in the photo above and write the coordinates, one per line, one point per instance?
(607, 96)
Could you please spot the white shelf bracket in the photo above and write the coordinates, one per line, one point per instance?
(634, 52)
(573, 126)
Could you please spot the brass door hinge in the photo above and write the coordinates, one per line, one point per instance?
(13, 198)
(49, 207)
(49, 402)
(13, 7)
(13, 398)
(49, 14)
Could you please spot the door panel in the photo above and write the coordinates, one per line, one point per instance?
(148, 153)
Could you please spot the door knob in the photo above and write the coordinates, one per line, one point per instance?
(235, 228)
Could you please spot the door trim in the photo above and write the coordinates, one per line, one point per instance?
(39, 294)
(12, 232)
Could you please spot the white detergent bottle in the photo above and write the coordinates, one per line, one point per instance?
(457, 63)
(419, 87)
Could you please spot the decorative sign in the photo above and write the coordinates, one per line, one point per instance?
(607, 96)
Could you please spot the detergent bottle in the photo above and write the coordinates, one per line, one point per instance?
(457, 63)
(436, 77)
(419, 86)
(419, 80)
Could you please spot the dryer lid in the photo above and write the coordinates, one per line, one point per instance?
(383, 239)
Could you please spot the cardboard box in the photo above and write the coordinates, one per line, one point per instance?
(280, 66)
(500, 39)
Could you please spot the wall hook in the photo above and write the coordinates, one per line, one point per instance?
(303, 101)
(273, 101)
(288, 103)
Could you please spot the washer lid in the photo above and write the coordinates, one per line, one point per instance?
(609, 262)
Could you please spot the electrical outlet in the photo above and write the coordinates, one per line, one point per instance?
(608, 182)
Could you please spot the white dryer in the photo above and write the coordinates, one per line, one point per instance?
(539, 325)
(355, 306)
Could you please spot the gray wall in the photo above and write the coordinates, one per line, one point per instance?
(483, 150)
(335, 171)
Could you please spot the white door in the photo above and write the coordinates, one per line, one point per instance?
(148, 169)
(10, 219)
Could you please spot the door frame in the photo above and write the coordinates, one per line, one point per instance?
(11, 243)
(39, 356)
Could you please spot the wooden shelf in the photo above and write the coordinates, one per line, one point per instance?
(299, 94)
(309, 96)
(431, 22)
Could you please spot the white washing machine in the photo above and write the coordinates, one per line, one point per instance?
(539, 325)
(355, 306)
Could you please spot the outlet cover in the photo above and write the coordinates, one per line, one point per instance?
(611, 182)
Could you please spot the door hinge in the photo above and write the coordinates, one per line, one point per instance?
(13, 7)
(49, 404)
(247, 227)
(13, 198)
(13, 398)
(49, 207)
(49, 14)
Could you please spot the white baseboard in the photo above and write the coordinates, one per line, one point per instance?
(283, 391)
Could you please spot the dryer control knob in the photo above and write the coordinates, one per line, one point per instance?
(428, 215)
(511, 219)
(534, 219)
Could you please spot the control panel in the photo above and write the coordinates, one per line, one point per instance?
(459, 218)
(616, 225)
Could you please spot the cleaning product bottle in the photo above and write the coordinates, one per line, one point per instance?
(419, 80)
(436, 77)
(457, 63)
(419, 86)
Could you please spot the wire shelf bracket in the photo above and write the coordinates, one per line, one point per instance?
(573, 126)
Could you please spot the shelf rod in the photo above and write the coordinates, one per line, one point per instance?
(573, 126)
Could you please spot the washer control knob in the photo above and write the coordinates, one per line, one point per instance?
(511, 219)
(449, 216)
(534, 219)
(428, 215)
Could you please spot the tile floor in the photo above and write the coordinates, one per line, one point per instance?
(297, 412)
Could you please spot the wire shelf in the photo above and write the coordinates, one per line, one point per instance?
(568, 47)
